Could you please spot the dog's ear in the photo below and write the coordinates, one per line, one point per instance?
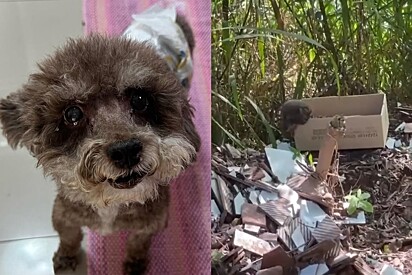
(11, 111)
(189, 127)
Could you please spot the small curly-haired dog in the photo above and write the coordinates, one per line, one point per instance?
(111, 123)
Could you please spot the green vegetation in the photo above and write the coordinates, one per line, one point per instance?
(358, 200)
(216, 256)
(267, 51)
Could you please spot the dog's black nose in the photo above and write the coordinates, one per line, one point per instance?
(125, 154)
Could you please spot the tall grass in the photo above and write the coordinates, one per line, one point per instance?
(267, 51)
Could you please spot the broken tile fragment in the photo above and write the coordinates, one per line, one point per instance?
(315, 269)
(311, 213)
(236, 188)
(298, 239)
(277, 257)
(283, 163)
(389, 270)
(268, 172)
(285, 235)
(230, 230)
(288, 193)
(215, 209)
(257, 174)
(363, 268)
(247, 267)
(290, 237)
(226, 198)
(232, 254)
(390, 143)
(408, 128)
(253, 197)
(400, 127)
(254, 229)
(269, 237)
(261, 198)
(232, 152)
(277, 210)
(359, 219)
(251, 243)
(341, 261)
(267, 177)
(233, 170)
(276, 270)
(238, 203)
(321, 252)
(216, 191)
(326, 229)
(239, 257)
(310, 188)
(281, 145)
(266, 196)
(251, 214)
(398, 143)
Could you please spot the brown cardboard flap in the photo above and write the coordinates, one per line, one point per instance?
(366, 117)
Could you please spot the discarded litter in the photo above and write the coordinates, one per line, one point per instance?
(283, 163)
(290, 219)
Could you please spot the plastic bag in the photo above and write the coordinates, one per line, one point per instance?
(158, 27)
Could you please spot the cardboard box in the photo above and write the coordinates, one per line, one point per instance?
(366, 116)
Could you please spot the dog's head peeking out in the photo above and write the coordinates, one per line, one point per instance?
(106, 118)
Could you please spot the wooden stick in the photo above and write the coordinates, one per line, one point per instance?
(336, 130)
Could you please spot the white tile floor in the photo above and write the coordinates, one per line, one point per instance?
(29, 30)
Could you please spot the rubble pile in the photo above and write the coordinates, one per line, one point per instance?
(274, 213)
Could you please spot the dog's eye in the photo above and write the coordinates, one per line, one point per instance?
(73, 115)
(139, 100)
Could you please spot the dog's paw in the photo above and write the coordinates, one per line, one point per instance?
(135, 267)
(64, 262)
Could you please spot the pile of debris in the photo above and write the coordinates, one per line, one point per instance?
(265, 221)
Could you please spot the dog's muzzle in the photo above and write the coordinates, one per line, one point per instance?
(125, 155)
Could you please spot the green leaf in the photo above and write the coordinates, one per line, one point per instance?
(310, 158)
(264, 121)
(232, 137)
(351, 209)
(365, 196)
(227, 101)
(366, 206)
(335, 70)
(300, 84)
(224, 99)
(345, 18)
(354, 200)
(312, 54)
(261, 46)
(359, 193)
(348, 197)
(285, 33)
(296, 152)
(216, 256)
(386, 249)
(234, 89)
(226, 41)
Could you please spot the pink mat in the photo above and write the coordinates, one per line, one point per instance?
(184, 247)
